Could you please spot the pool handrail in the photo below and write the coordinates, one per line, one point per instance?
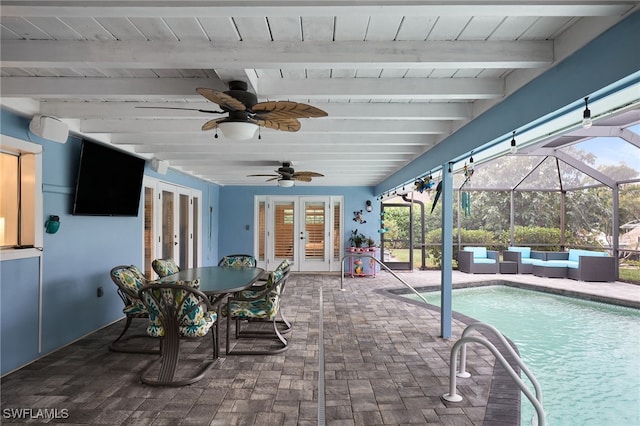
(452, 396)
(512, 352)
(382, 265)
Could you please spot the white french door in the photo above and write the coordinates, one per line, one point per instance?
(172, 224)
(306, 230)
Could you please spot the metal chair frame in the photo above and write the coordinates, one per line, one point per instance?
(261, 294)
(128, 297)
(171, 317)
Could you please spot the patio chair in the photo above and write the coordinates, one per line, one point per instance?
(282, 268)
(261, 304)
(164, 267)
(176, 310)
(238, 260)
(478, 260)
(129, 280)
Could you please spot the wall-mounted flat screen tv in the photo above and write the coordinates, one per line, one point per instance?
(109, 182)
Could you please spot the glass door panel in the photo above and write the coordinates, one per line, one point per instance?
(149, 231)
(283, 232)
(169, 237)
(195, 232)
(183, 231)
(314, 224)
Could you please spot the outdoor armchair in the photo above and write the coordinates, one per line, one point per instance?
(129, 280)
(257, 306)
(238, 260)
(176, 310)
(478, 260)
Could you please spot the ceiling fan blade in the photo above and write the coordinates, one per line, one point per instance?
(212, 124)
(286, 109)
(287, 125)
(302, 178)
(225, 101)
(277, 176)
(185, 109)
(272, 179)
(307, 174)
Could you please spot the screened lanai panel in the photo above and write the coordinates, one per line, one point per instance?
(544, 177)
(503, 173)
(573, 179)
(613, 156)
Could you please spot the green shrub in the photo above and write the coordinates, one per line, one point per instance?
(529, 235)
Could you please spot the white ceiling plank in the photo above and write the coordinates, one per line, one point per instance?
(398, 88)
(243, 149)
(327, 126)
(348, 54)
(121, 28)
(383, 28)
(362, 88)
(127, 88)
(252, 28)
(292, 139)
(512, 27)
(259, 156)
(153, 28)
(187, 29)
(544, 28)
(351, 28)
(368, 73)
(220, 28)
(481, 27)
(415, 28)
(177, 8)
(23, 28)
(55, 28)
(285, 28)
(317, 28)
(89, 28)
(448, 28)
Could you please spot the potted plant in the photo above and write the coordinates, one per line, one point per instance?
(371, 244)
(357, 239)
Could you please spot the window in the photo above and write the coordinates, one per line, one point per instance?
(20, 194)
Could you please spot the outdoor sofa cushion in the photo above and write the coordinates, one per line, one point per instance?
(480, 255)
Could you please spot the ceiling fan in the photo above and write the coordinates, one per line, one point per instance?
(245, 113)
(286, 175)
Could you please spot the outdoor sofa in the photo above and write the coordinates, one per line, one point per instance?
(524, 257)
(581, 265)
(478, 260)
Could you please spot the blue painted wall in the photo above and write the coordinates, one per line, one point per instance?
(236, 211)
(76, 260)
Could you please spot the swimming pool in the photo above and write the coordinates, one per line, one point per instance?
(583, 353)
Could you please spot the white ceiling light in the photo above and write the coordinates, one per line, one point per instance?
(238, 130)
(286, 183)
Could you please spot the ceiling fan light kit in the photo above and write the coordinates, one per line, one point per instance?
(238, 130)
(286, 183)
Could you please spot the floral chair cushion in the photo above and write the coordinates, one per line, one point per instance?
(132, 279)
(265, 307)
(238, 261)
(164, 267)
(194, 320)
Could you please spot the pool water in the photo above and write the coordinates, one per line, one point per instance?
(585, 355)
